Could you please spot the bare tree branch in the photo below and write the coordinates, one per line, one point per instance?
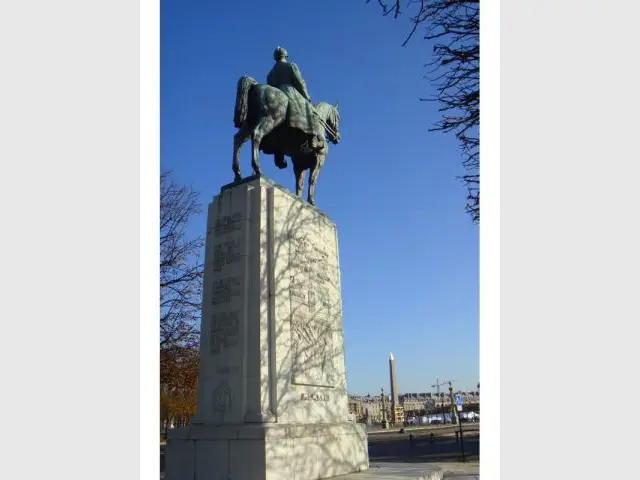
(180, 266)
(454, 28)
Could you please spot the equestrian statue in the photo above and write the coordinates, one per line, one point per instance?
(281, 120)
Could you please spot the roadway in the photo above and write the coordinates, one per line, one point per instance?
(393, 434)
(442, 447)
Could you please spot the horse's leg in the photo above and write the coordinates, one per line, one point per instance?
(239, 138)
(300, 172)
(263, 128)
(280, 160)
(313, 176)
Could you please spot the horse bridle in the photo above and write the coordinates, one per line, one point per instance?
(333, 132)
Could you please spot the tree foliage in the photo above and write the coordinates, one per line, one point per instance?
(178, 384)
(180, 266)
(453, 26)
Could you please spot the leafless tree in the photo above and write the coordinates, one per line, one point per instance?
(453, 26)
(181, 268)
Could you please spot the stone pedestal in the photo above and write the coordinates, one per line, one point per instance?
(272, 398)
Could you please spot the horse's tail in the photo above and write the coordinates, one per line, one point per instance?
(242, 100)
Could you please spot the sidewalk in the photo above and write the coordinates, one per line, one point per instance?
(413, 471)
(417, 471)
(459, 470)
(397, 471)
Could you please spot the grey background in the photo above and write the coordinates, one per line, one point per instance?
(69, 146)
(569, 240)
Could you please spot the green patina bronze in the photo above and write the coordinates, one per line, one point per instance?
(281, 120)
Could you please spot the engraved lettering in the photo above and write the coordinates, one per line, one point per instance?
(226, 253)
(225, 289)
(224, 330)
(315, 397)
(228, 224)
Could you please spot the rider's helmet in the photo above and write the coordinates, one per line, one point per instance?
(280, 53)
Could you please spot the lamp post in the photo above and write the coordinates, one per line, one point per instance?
(385, 423)
(440, 399)
(454, 413)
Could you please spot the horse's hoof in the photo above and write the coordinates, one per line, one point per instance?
(257, 172)
(311, 202)
(237, 177)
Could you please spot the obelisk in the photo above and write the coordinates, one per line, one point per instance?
(394, 389)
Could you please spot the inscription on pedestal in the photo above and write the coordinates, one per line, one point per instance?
(228, 224)
(227, 285)
(316, 397)
(225, 289)
(224, 330)
(226, 253)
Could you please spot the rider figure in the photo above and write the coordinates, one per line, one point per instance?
(284, 73)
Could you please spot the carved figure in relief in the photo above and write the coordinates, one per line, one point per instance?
(312, 315)
(222, 401)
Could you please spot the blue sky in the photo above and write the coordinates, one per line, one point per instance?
(408, 252)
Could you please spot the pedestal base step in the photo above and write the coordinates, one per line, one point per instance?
(266, 451)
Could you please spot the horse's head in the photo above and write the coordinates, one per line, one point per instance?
(331, 117)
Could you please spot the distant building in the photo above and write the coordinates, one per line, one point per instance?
(355, 407)
(416, 403)
(412, 405)
(367, 408)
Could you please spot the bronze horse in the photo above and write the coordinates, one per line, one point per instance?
(260, 113)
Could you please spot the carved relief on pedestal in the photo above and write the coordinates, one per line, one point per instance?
(222, 399)
(313, 312)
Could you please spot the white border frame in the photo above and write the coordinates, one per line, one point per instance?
(149, 245)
